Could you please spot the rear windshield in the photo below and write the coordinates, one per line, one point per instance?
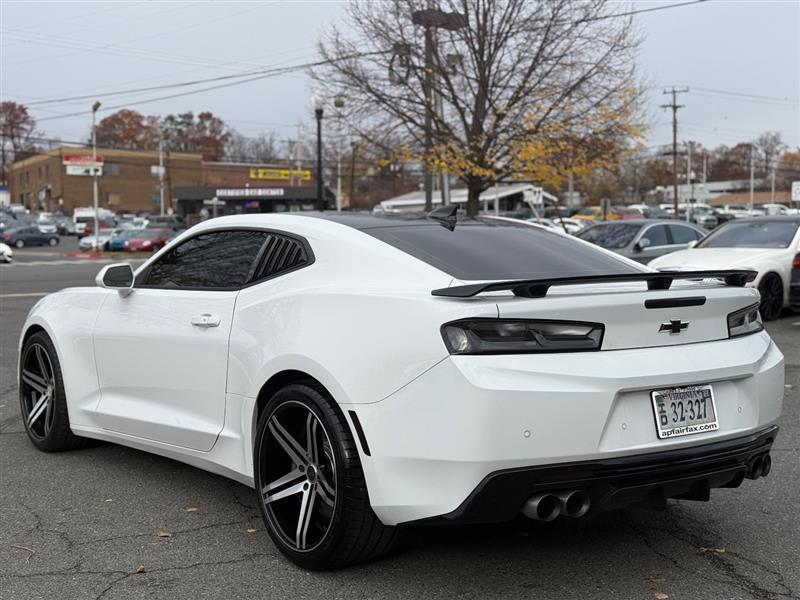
(752, 234)
(612, 235)
(481, 250)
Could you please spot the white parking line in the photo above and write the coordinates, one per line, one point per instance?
(25, 295)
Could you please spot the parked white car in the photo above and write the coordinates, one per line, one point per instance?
(6, 254)
(364, 372)
(768, 245)
(741, 211)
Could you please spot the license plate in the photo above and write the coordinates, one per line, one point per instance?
(684, 411)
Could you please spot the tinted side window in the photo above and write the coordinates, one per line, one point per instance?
(683, 235)
(657, 235)
(216, 260)
(494, 250)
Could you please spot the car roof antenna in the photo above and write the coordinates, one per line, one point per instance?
(446, 215)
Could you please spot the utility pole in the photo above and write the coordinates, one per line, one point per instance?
(675, 106)
(772, 185)
(95, 106)
(161, 173)
(3, 150)
(752, 176)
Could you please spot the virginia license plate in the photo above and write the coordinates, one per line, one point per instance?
(684, 411)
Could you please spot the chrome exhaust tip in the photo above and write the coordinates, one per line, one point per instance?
(575, 503)
(542, 507)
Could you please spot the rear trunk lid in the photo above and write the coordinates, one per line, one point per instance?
(635, 317)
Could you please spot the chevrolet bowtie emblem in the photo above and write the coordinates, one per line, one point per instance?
(674, 326)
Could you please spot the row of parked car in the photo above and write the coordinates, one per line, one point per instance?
(769, 244)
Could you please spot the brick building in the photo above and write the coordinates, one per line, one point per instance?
(129, 182)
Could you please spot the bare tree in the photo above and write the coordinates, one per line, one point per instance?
(262, 148)
(520, 70)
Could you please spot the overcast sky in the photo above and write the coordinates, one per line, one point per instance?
(726, 52)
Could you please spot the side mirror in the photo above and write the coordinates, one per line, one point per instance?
(642, 244)
(692, 244)
(117, 276)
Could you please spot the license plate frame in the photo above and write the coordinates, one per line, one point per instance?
(678, 403)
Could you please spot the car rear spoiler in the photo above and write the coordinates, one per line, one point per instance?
(537, 288)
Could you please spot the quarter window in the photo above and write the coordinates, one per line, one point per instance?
(220, 260)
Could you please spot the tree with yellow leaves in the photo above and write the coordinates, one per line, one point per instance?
(527, 89)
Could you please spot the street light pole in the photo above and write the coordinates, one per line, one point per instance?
(431, 19)
(95, 106)
(338, 102)
(318, 110)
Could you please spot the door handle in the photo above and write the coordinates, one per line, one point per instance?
(205, 320)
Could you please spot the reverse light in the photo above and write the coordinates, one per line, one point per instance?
(520, 336)
(745, 321)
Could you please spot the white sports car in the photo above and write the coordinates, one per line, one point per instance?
(365, 372)
(768, 245)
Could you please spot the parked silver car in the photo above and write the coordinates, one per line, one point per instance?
(642, 239)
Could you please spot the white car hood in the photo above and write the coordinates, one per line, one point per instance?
(712, 258)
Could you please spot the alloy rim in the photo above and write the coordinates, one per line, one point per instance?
(298, 476)
(37, 387)
(771, 298)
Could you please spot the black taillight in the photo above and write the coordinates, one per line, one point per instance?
(520, 336)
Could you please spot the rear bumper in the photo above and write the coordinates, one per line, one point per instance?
(436, 439)
(617, 482)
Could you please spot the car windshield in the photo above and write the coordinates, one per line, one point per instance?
(485, 250)
(610, 235)
(752, 234)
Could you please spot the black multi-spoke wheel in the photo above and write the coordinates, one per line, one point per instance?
(771, 289)
(41, 396)
(310, 484)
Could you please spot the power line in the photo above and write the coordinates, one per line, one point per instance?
(645, 10)
(263, 75)
(744, 95)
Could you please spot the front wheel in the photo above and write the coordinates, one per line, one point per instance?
(20, 243)
(310, 485)
(42, 400)
(52, 242)
(771, 289)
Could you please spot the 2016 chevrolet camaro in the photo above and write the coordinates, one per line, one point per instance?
(365, 372)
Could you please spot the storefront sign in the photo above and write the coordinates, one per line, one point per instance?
(283, 174)
(84, 160)
(249, 192)
(89, 170)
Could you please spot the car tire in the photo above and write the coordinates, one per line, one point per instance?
(19, 243)
(314, 501)
(46, 421)
(52, 242)
(771, 290)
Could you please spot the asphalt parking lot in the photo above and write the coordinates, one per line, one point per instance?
(110, 522)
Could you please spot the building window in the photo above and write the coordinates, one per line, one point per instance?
(40, 172)
(47, 171)
(111, 169)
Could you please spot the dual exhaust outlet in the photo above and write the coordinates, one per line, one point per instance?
(760, 466)
(546, 507)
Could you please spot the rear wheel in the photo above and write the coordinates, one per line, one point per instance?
(771, 289)
(53, 241)
(310, 485)
(19, 243)
(42, 400)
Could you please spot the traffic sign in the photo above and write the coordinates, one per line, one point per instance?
(796, 191)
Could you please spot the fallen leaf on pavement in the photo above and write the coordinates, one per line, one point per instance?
(140, 569)
(164, 534)
(191, 509)
(655, 579)
(27, 549)
(251, 530)
(712, 550)
(661, 596)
